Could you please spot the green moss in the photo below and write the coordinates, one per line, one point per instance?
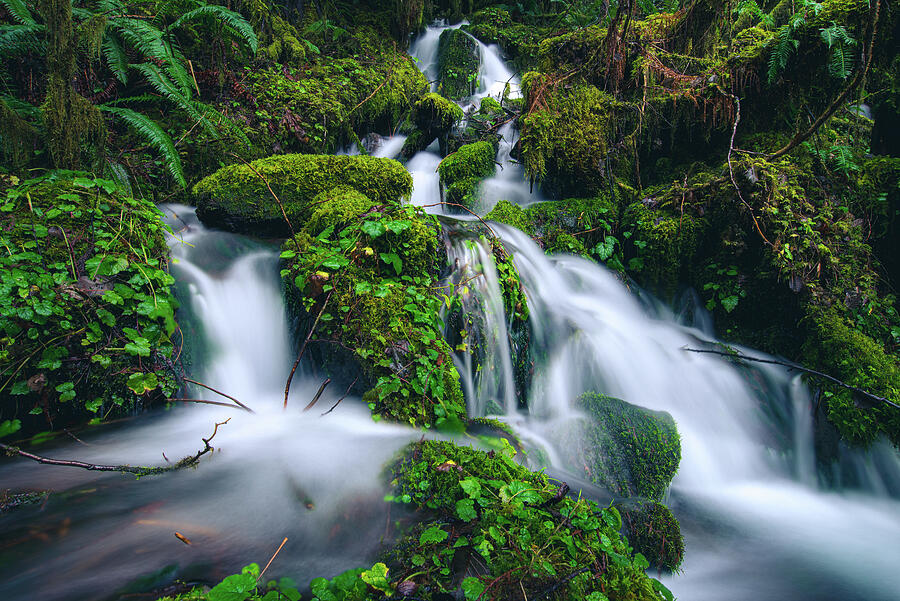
(484, 509)
(470, 161)
(237, 197)
(510, 214)
(457, 62)
(337, 208)
(324, 104)
(86, 311)
(490, 107)
(573, 144)
(434, 116)
(834, 347)
(371, 272)
(518, 41)
(627, 449)
(666, 245)
(654, 532)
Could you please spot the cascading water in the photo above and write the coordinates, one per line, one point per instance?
(756, 525)
(312, 479)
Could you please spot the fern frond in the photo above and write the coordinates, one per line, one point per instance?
(784, 46)
(19, 11)
(840, 62)
(223, 124)
(162, 83)
(116, 59)
(154, 136)
(18, 40)
(236, 24)
(149, 41)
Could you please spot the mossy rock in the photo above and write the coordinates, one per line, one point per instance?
(653, 531)
(834, 347)
(629, 450)
(434, 116)
(370, 271)
(457, 62)
(87, 312)
(665, 245)
(470, 161)
(476, 508)
(519, 41)
(237, 198)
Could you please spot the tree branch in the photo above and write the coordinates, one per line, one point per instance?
(189, 461)
(812, 372)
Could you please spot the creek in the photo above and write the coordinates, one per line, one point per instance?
(760, 519)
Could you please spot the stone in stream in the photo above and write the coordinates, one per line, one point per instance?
(629, 450)
(458, 63)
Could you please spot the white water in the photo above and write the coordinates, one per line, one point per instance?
(756, 522)
(313, 479)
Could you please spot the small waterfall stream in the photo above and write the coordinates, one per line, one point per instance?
(758, 523)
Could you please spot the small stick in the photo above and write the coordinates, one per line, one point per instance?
(207, 402)
(465, 208)
(338, 402)
(287, 386)
(271, 559)
(318, 394)
(227, 396)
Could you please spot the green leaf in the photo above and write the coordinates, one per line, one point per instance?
(140, 347)
(471, 486)
(465, 509)
(472, 588)
(8, 427)
(377, 579)
(237, 587)
(433, 535)
(141, 383)
(154, 135)
(392, 259)
(372, 228)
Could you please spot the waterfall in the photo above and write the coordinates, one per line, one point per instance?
(275, 473)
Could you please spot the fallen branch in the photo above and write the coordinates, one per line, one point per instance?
(188, 461)
(812, 372)
(208, 402)
(227, 396)
(315, 399)
(465, 208)
(271, 559)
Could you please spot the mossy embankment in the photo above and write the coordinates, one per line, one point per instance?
(87, 325)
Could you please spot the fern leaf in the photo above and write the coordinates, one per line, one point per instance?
(154, 136)
(223, 123)
(236, 24)
(116, 59)
(18, 40)
(18, 11)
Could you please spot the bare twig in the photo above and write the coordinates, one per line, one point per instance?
(208, 402)
(219, 392)
(465, 208)
(271, 559)
(737, 119)
(188, 461)
(271, 191)
(338, 402)
(287, 386)
(812, 372)
(315, 399)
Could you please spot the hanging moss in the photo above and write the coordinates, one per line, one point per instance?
(17, 136)
(237, 197)
(75, 128)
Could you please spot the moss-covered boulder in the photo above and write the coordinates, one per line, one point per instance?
(364, 275)
(86, 310)
(265, 196)
(519, 42)
(434, 116)
(653, 531)
(496, 530)
(629, 450)
(462, 171)
(457, 61)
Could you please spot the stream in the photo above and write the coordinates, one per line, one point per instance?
(759, 521)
